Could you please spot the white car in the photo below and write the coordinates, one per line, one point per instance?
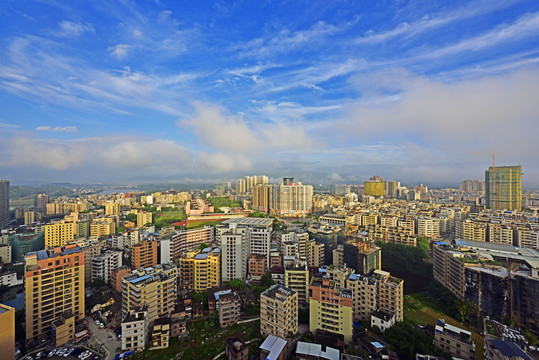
(51, 353)
(39, 355)
(85, 354)
(69, 351)
(60, 351)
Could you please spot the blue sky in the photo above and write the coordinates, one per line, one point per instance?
(326, 91)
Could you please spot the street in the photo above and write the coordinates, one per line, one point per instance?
(103, 337)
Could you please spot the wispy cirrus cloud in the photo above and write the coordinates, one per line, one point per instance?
(73, 29)
(66, 129)
(119, 51)
(426, 23)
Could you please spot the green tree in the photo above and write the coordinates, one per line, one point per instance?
(200, 297)
(266, 280)
(423, 245)
(132, 217)
(236, 284)
(203, 246)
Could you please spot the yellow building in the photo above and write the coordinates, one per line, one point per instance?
(315, 254)
(5, 253)
(63, 329)
(503, 185)
(200, 270)
(112, 209)
(279, 312)
(472, 230)
(154, 287)
(501, 234)
(296, 277)
(54, 284)
(102, 227)
(330, 309)
(390, 293)
(144, 218)
(58, 234)
(7, 332)
(449, 269)
(374, 187)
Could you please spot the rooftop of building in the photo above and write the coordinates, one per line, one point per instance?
(317, 351)
(236, 344)
(278, 289)
(59, 251)
(509, 349)
(384, 315)
(274, 346)
(147, 275)
(266, 222)
(136, 315)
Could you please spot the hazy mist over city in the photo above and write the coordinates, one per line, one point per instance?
(328, 92)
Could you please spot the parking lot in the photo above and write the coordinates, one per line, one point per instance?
(64, 353)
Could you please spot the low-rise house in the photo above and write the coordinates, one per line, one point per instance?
(456, 341)
(160, 334)
(236, 349)
(382, 319)
(135, 330)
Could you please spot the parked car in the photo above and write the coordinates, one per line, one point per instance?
(51, 353)
(39, 355)
(68, 352)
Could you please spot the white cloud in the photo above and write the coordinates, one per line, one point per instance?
(490, 114)
(119, 51)
(73, 29)
(222, 163)
(106, 152)
(67, 129)
(231, 133)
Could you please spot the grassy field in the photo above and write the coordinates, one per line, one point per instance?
(201, 223)
(207, 340)
(421, 308)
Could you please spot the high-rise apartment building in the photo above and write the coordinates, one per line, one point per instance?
(501, 233)
(200, 270)
(374, 187)
(154, 287)
(144, 218)
(279, 312)
(58, 234)
(291, 198)
(144, 254)
(102, 227)
(339, 189)
(503, 186)
(103, 265)
(330, 308)
(428, 227)
(261, 197)
(189, 240)
(239, 238)
(248, 182)
(7, 332)
(41, 202)
(54, 284)
(4, 203)
(112, 208)
(296, 277)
